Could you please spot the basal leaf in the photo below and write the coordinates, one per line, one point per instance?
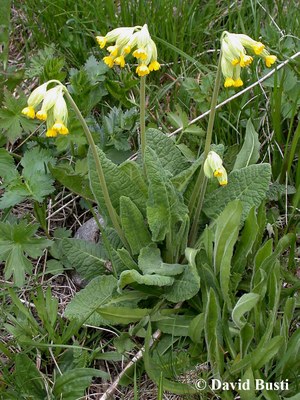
(120, 181)
(155, 372)
(244, 305)
(169, 155)
(74, 182)
(133, 225)
(86, 257)
(226, 234)
(28, 379)
(72, 383)
(248, 184)
(96, 294)
(123, 315)
(213, 335)
(249, 153)
(177, 325)
(150, 262)
(133, 276)
(158, 206)
(187, 284)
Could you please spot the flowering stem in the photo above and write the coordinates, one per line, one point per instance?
(142, 114)
(201, 183)
(112, 212)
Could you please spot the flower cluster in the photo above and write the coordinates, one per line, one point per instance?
(135, 40)
(213, 167)
(53, 109)
(234, 56)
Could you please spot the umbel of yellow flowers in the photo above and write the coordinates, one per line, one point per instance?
(213, 167)
(135, 40)
(234, 56)
(53, 109)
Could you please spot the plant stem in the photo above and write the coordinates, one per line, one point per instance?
(142, 114)
(111, 211)
(201, 183)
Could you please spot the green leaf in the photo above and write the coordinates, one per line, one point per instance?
(245, 243)
(169, 155)
(8, 170)
(123, 315)
(72, 384)
(150, 262)
(86, 257)
(213, 334)
(249, 153)
(96, 294)
(155, 372)
(181, 180)
(245, 304)
(177, 325)
(187, 284)
(131, 276)
(29, 381)
(227, 230)
(133, 225)
(158, 206)
(123, 180)
(74, 182)
(17, 241)
(196, 327)
(12, 123)
(248, 184)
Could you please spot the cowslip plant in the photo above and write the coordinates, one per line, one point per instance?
(153, 208)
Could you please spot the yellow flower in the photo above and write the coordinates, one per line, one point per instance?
(258, 47)
(238, 82)
(120, 61)
(51, 133)
(154, 66)
(101, 40)
(140, 53)
(29, 112)
(245, 60)
(59, 127)
(113, 50)
(142, 70)
(270, 60)
(213, 167)
(54, 108)
(34, 100)
(124, 40)
(109, 61)
(41, 115)
(234, 56)
(228, 82)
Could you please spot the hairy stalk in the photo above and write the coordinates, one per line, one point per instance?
(112, 212)
(142, 114)
(201, 183)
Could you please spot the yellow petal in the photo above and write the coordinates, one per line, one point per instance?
(109, 61)
(41, 115)
(258, 48)
(51, 133)
(142, 70)
(154, 66)
(270, 60)
(29, 112)
(101, 40)
(228, 82)
(238, 82)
